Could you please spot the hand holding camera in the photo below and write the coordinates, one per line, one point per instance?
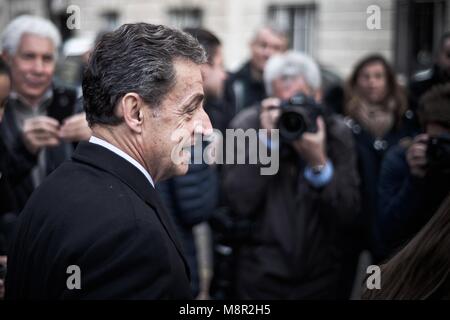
(40, 132)
(75, 128)
(270, 112)
(311, 146)
(301, 124)
(429, 154)
(416, 156)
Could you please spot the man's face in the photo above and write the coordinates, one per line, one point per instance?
(266, 44)
(444, 57)
(285, 88)
(176, 121)
(214, 75)
(32, 66)
(5, 86)
(372, 83)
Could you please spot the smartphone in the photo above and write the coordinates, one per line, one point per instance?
(63, 106)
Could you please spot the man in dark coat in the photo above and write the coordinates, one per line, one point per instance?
(40, 124)
(415, 179)
(245, 87)
(300, 214)
(439, 73)
(96, 228)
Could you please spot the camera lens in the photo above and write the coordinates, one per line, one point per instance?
(292, 125)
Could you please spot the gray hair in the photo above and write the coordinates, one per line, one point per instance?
(27, 24)
(294, 64)
(137, 58)
(274, 28)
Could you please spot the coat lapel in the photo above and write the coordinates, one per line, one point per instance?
(106, 160)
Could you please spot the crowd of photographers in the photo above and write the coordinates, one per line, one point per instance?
(364, 164)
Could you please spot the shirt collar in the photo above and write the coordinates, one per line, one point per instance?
(47, 96)
(122, 154)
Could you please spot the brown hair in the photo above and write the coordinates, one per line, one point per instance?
(434, 106)
(421, 270)
(394, 91)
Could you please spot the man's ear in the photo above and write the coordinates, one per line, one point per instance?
(131, 106)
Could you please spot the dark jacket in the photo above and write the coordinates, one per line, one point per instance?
(295, 247)
(100, 213)
(370, 152)
(10, 173)
(424, 81)
(191, 199)
(406, 202)
(21, 181)
(242, 90)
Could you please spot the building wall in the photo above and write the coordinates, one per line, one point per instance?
(9, 9)
(341, 34)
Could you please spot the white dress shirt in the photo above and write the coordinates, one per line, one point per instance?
(122, 154)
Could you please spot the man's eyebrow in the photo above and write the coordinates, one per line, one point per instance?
(193, 102)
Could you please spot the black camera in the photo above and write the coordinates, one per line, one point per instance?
(438, 154)
(298, 115)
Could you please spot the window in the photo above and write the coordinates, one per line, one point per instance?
(299, 21)
(419, 26)
(185, 18)
(110, 20)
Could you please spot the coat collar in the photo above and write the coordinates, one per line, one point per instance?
(106, 160)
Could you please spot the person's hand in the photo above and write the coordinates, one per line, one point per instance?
(40, 132)
(416, 156)
(2, 281)
(75, 128)
(270, 112)
(311, 146)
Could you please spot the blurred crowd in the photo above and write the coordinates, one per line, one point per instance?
(364, 167)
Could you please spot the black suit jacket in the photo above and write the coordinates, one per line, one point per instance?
(100, 213)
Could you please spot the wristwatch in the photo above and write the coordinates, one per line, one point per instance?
(318, 169)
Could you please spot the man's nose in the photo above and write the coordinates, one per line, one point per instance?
(205, 126)
(38, 66)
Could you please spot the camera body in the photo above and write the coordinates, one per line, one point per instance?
(438, 154)
(298, 115)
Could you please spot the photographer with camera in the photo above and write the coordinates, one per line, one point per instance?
(300, 214)
(415, 179)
